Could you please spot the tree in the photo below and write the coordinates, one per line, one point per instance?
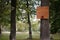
(0, 30)
(13, 20)
(54, 15)
(4, 12)
(28, 7)
(28, 14)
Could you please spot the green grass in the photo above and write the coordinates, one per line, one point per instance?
(56, 36)
(21, 36)
(4, 37)
(24, 36)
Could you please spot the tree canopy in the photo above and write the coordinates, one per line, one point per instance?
(54, 15)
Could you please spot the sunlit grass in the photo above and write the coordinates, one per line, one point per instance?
(24, 36)
(4, 37)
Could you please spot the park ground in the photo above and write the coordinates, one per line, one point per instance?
(24, 36)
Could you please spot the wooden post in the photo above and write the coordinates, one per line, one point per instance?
(44, 35)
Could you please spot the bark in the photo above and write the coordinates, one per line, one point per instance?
(13, 20)
(44, 2)
(30, 31)
(45, 24)
(0, 30)
(45, 29)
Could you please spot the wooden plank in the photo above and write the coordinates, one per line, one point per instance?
(42, 12)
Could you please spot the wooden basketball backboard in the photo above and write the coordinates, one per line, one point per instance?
(42, 12)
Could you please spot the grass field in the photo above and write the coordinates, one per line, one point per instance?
(24, 36)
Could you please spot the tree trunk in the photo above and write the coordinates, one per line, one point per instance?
(0, 30)
(44, 35)
(45, 24)
(30, 31)
(44, 2)
(13, 20)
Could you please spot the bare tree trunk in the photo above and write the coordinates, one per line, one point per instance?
(30, 31)
(45, 29)
(44, 2)
(0, 30)
(45, 32)
(13, 20)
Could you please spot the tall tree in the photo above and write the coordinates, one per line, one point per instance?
(28, 14)
(4, 13)
(0, 18)
(0, 30)
(13, 20)
(28, 6)
(54, 15)
(44, 23)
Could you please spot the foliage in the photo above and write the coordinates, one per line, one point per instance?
(21, 12)
(5, 10)
(23, 27)
(54, 15)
